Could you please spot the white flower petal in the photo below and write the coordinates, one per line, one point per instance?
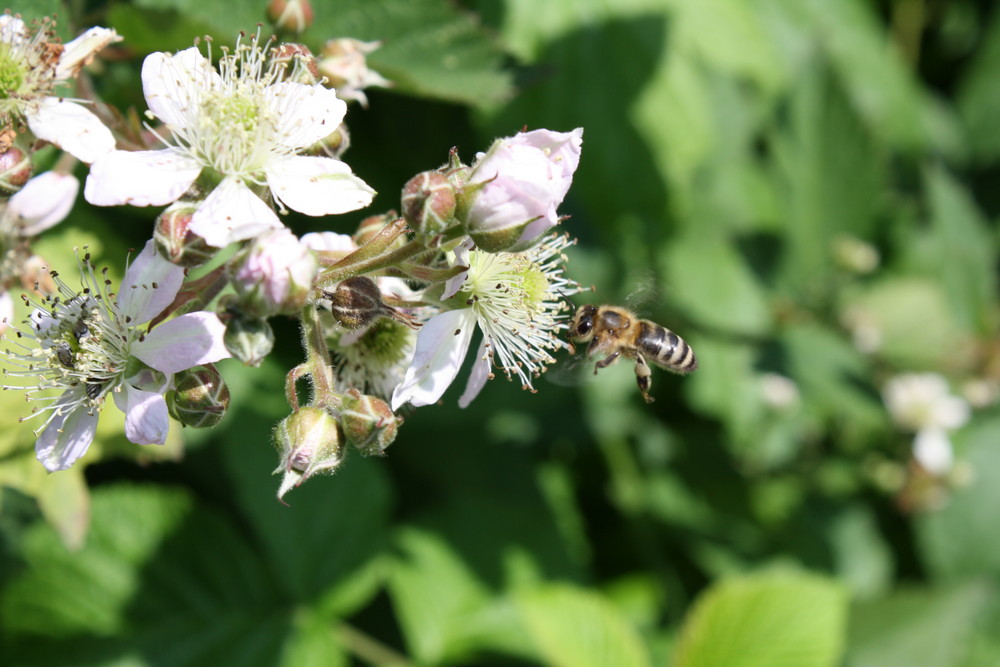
(173, 84)
(78, 52)
(6, 310)
(146, 419)
(441, 347)
(44, 201)
(232, 213)
(317, 185)
(329, 242)
(305, 114)
(453, 284)
(71, 127)
(932, 450)
(478, 377)
(140, 178)
(183, 342)
(150, 285)
(67, 436)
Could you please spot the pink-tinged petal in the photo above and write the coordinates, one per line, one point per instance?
(183, 342)
(150, 285)
(173, 84)
(44, 201)
(79, 52)
(232, 212)
(317, 185)
(6, 310)
(305, 114)
(478, 377)
(67, 436)
(72, 127)
(329, 242)
(453, 284)
(146, 419)
(441, 347)
(140, 178)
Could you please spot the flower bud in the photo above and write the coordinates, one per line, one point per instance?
(290, 15)
(368, 422)
(344, 64)
(298, 61)
(247, 338)
(15, 170)
(332, 145)
(512, 194)
(429, 203)
(357, 302)
(200, 397)
(274, 274)
(309, 443)
(373, 225)
(176, 242)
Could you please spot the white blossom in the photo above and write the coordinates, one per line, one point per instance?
(92, 343)
(240, 133)
(515, 300)
(32, 65)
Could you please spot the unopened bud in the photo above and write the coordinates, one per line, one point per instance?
(15, 170)
(247, 338)
(344, 63)
(298, 61)
(200, 397)
(290, 15)
(373, 225)
(368, 422)
(332, 145)
(176, 242)
(309, 442)
(428, 202)
(357, 302)
(274, 274)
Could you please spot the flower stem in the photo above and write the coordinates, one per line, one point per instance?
(317, 364)
(368, 649)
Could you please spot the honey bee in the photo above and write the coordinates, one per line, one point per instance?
(615, 331)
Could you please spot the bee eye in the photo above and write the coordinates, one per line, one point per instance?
(585, 327)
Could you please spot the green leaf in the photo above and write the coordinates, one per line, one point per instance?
(917, 627)
(832, 175)
(767, 620)
(574, 627)
(978, 96)
(959, 540)
(710, 281)
(963, 251)
(430, 47)
(159, 579)
(908, 321)
(436, 598)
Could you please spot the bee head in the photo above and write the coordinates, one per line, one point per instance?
(581, 329)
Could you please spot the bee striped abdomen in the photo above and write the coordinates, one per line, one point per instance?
(665, 348)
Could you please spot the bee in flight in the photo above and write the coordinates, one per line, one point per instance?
(615, 331)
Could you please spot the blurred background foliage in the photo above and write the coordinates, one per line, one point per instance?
(803, 189)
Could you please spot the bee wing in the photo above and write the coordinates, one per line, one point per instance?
(569, 372)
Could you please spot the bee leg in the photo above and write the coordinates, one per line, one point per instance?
(642, 377)
(607, 361)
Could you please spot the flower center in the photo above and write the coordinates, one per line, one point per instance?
(234, 131)
(12, 73)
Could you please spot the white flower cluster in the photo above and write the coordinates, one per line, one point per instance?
(921, 403)
(388, 315)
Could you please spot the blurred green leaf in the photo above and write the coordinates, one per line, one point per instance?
(958, 540)
(574, 627)
(766, 620)
(908, 321)
(430, 48)
(146, 587)
(978, 97)
(445, 612)
(710, 282)
(831, 171)
(149, 29)
(963, 251)
(863, 557)
(917, 627)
